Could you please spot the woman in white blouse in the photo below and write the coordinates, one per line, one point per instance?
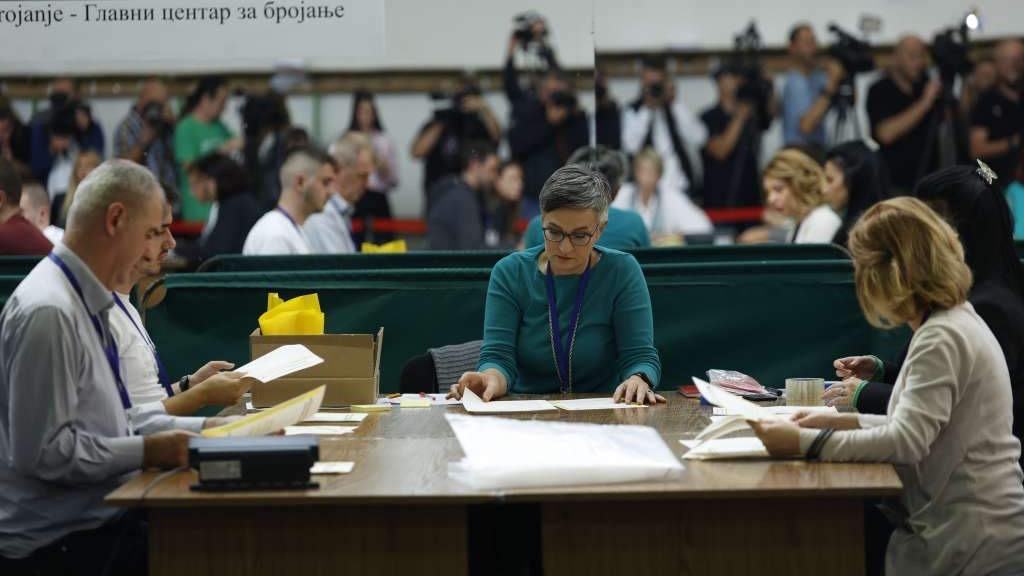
(668, 213)
(948, 424)
(793, 184)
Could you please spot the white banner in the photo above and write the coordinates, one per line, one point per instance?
(40, 37)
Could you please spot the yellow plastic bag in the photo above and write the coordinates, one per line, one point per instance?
(395, 247)
(300, 316)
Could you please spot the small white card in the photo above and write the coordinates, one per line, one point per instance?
(318, 430)
(332, 468)
(346, 417)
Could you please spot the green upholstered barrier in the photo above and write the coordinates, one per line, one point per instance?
(769, 319)
(487, 259)
(18, 265)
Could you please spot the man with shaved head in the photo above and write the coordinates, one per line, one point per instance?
(901, 108)
(146, 135)
(995, 135)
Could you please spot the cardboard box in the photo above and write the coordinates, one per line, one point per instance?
(350, 370)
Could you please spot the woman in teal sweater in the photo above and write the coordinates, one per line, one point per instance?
(600, 337)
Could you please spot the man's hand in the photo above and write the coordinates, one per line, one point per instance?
(168, 449)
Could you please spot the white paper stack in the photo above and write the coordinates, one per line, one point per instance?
(594, 404)
(505, 454)
(724, 448)
(475, 405)
(281, 362)
(779, 410)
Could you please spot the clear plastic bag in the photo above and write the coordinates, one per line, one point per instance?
(736, 382)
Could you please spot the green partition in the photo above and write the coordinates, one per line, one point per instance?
(771, 320)
(18, 265)
(487, 259)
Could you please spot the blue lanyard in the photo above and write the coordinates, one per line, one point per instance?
(156, 355)
(563, 359)
(289, 217)
(109, 346)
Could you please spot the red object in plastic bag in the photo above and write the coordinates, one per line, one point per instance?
(736, 382)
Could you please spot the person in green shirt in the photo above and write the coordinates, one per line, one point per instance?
(568, 316)
(626, 229)
(199, 133)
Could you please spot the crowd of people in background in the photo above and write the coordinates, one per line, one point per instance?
(482, 175)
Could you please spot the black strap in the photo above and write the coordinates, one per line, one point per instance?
(819, 442)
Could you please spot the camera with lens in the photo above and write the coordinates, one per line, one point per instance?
(950, 53)
(523, 27)
(656, 90)
(153, 115)
(852, 53)
(448, 106)
(746, 64)
(564, 99)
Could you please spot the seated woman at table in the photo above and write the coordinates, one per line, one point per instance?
(568, 316)
(793, 184)
(983, 222)
(948, 425)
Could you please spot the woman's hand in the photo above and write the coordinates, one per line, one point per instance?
(841, 393)
(780, 437)
(819, 419)
(208, 370)
(862, 367)
(635, 389)
(487, 385)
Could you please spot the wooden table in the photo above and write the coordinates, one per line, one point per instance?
(398, 512)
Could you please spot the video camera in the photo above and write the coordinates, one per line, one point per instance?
(745, 62)
(851, 52)
(448, 105)
(153, 115)
(523, 27)
(565, 99)
(950, 53)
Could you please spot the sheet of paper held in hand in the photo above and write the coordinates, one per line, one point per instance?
(287, 413)
(281, 362)
(474, 405)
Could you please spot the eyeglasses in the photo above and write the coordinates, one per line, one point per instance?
(556, 236)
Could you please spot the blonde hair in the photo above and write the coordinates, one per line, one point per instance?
(802, 175)
(907, 262)
(73, 183)
(651, 155)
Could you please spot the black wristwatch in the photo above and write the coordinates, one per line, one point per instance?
(183, 384)
(644, 377)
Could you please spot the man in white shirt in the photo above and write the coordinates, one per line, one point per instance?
(65, 437)
(330, 231)
(657, 119)
(307, 176)
(154, 396)
(35, 206)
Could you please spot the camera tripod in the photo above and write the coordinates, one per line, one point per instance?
(843, 103)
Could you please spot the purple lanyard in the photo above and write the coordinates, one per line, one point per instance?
(289, 217)
(563, 359)
(109, 347)
(161, 372)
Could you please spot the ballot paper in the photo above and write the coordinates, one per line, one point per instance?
(287, 413)
(318, 430)
(779, 410)
(345, 417)
(594, 404)
(332, 467)
(724, 448)
(741, 410)
(474, 405)
(503, 453)
(281, 362)
(435, 399)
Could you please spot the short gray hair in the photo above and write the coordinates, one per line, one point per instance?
(577, 187)
(347, 149)
(112, 181)
(612, 163)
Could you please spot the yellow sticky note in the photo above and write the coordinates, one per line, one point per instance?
(370, 407)
(415, 403)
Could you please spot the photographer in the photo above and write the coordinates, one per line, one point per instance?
(547, 125)
(730, 161)
(50, 147)
(146, 135)
(901, 109)
(996, 122)
(808, 90)
(442, 138)
(658, 120)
